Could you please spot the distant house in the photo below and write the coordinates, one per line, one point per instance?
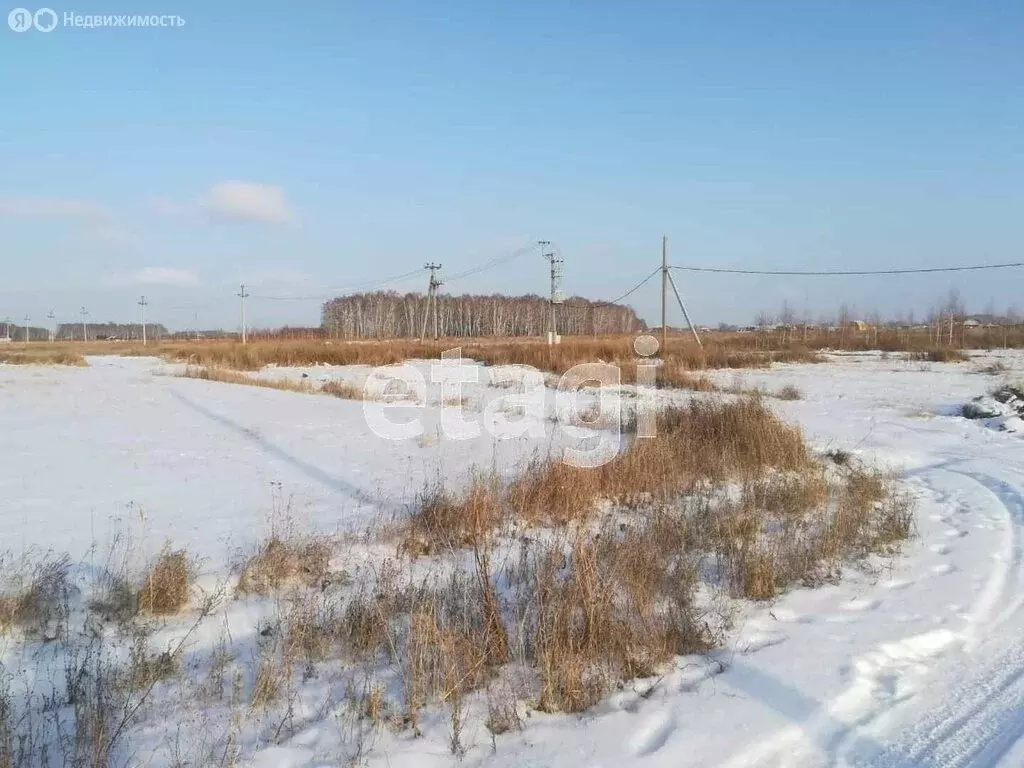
(858, 325)
(971, 323)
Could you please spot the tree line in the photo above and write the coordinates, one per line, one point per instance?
(388, 314)
(110, 330)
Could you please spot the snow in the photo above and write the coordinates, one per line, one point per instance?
(1001, 409)
(917, 662)
(204, 464)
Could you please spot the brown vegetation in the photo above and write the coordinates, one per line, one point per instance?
(34, 354)
(165, 588)
(940, 355)
(33, 592)
(286, 560)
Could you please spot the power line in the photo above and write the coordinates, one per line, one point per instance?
(849, 272)
(366, 286)
(628, 293)
(495, 262)
(375, 284)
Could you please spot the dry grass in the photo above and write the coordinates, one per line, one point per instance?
(144, 669)
(443, 523)
(257, 355)
(33, 594)
(336, 388)
(281, 561)
(703, 441)
(729, 352)
(789, 392)
(997, 368)
(344, 389)
(226, 376)
(609, 608)
(166, 586)
(725, 492)
(940, 355)
(40, 355)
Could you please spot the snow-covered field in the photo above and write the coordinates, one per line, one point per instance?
(920, 663)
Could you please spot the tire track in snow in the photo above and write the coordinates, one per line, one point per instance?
(982, 716)
(1004, 584)
(977, 719)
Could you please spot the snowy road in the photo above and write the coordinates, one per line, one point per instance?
(949, 696)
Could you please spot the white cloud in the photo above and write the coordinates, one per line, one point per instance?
(53, 208)
(247, 201)
(162, 276)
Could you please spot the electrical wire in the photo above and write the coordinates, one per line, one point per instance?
(366, 286)
(373, 285)
(495, 262)
(849, 272)
(628, 293)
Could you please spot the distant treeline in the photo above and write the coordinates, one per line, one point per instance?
(386, 314)
(110, 330)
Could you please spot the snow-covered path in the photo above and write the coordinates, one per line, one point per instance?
(949, 696)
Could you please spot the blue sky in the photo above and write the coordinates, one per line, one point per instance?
(303, 148)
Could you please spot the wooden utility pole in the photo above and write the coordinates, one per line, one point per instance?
(664, 295)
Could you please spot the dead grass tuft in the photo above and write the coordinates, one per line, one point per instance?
(280, 561)
(789, 392)
(442, 522)
(34, 593)
(940, 355)
(609, 608)
(343, 389)
(165, 588)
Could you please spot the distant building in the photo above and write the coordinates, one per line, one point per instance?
(971, 323)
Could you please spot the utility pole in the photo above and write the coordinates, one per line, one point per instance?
(27, 319)
(243, 296)
(432, 287)
(143, 303)
(664, 296)
(52, 317)
(84, 313)
(556, 288)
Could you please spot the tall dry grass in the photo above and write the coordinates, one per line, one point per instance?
(726, 495)
(34, 354)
